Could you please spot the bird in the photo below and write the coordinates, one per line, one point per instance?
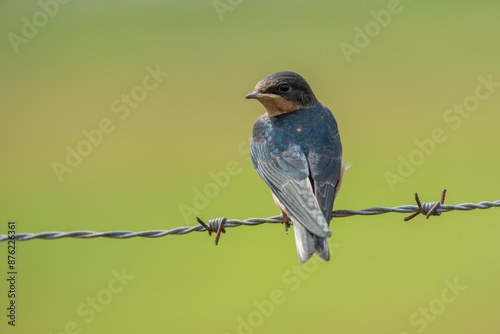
(296, 149)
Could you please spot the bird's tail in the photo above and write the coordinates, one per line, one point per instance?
(308, 244)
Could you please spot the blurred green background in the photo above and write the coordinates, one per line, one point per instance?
(65, 75)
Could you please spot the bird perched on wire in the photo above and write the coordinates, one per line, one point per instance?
(296, 150)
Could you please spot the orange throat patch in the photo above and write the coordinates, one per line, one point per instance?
(276, 105)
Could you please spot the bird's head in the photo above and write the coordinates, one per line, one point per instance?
(283, 92)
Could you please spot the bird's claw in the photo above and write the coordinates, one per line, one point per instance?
(287, 221)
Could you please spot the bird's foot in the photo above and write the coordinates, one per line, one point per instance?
(287, 221)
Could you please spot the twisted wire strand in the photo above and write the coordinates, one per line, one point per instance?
(413, 208)
(214, 223)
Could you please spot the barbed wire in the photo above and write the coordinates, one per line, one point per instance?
(218, 225)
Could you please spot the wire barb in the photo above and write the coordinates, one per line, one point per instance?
(427, 209)
(211, 227)
(219, 225)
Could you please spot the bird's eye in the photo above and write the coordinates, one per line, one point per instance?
(284, 87)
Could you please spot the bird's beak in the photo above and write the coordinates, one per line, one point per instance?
(253, 95)
(258, 95)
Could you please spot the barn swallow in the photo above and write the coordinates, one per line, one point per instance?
(296, 150)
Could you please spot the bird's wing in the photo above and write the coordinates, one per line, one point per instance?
(326, 170)
(287, 174)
